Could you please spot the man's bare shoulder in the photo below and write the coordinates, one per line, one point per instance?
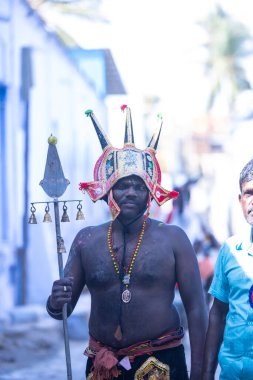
(175, 237)
(168, 228)
(88, 235)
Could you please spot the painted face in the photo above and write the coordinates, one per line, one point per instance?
(131, 194)
(246, 200)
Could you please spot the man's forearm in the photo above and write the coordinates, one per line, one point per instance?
(197, 323)
(212, 347)
(214, 339)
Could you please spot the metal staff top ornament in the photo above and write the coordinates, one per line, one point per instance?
(53, 170)
(115, 164)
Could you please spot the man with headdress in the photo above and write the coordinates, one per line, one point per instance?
(130, 267)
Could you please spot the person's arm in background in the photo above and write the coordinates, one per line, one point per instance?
(214, 338)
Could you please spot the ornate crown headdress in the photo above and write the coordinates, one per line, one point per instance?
(115, 163)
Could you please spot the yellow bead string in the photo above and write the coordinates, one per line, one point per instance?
(115, 259)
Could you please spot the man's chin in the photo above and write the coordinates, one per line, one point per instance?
(129, 214)
(129, 208)
(250, 219)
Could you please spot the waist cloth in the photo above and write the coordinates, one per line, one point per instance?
(140, 360)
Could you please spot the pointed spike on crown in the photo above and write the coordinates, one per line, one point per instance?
(103, 139)
(155, 138)
(159, 116)
(123, 107)
(129, 134)
(88, 112)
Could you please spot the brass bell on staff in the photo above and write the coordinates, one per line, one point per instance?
(79, 215)
(32, 219)
(47, 216)
(65, 217)
(60, 245)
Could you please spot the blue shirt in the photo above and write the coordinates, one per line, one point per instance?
(233, 277)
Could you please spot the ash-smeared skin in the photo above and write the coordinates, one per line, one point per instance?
(80, 241)
(157, 268)
(165, 257)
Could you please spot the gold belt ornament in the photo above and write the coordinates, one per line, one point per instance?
(153, 369)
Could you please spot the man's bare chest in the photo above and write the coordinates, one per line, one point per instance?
(147, 264)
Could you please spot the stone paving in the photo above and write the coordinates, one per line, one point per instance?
(54, 367)
(32, 346)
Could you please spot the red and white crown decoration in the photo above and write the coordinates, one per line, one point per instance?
(115, 164)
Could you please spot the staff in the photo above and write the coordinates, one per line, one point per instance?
(54, 184)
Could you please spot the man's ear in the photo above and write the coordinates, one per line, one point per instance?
(240, 197)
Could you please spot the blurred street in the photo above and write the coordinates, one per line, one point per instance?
(51, 367)
(32, 351)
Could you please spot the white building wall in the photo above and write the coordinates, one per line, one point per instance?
(58, 99)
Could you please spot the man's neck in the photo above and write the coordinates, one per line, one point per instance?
(130, 226)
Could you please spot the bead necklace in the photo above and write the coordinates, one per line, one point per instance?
(126, 294)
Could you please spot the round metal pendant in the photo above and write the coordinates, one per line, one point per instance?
(126, 296)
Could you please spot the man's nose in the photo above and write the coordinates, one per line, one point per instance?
(131, 191)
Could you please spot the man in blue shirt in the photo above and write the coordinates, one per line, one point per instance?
(230, 332)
